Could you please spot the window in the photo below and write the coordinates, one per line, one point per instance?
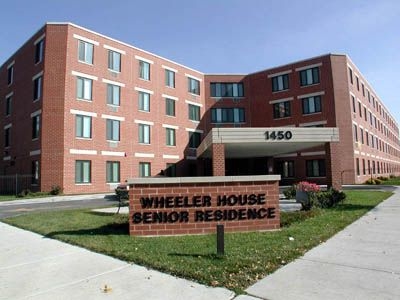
(227, 115)
(194, 139)
(144, 134)
(35, 127)
(353, 102)
(286, 168)
(170, 107)
(83, 171)
(220, 89)
(144, 70)
(83, 126)
(8, 105)
(114, 61)
(112, 130)
(113, 94)
(369, 167)
(144, 169)
(170, 78)
(358, 83)
(309, 76)
(144, 101)
(311, 105)
(363, 166)
(363, 89)
(282, 110)
(170, 137)
(351, 75)
(194, 112)
(39, 51)
(7, 137)
(84, 88)
(35, 172)
(10, 75)
(359, 109)
(365, 114)
(280, 83)
(193, 86)
(112, 171)
(315, 168)
(362, 135)
(85, 52)
(358, 166)
(37, 88)
(170, 170)
(355, 133)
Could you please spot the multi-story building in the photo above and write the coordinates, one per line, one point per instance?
(84, 111)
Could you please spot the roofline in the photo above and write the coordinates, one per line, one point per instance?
(123, 43)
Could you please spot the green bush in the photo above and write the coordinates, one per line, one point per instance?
(370, 181)
(383, 178)
(24, 193)
(378, 181)
(323, 199)
(55, 190)
(122, 193)
(290, 193)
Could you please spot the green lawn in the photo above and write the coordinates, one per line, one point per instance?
(392, 181)
(248, 256)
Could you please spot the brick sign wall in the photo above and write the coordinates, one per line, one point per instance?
(183, 207)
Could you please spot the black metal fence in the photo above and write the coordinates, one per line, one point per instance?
(15, 184)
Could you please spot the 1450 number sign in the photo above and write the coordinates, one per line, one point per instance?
(278, 135)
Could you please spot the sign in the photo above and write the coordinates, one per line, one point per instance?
(278, 135)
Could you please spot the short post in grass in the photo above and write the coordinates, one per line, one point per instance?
(220, 240)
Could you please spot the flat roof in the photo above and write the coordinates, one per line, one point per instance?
(266, 141)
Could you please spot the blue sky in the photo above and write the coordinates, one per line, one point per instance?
(232, 36)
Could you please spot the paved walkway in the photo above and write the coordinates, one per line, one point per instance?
(57, 199)
(360, 262)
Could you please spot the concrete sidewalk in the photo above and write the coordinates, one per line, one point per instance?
(360, 262)
(51, 199)
(35, 267)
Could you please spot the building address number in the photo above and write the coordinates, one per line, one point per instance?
(278, 135)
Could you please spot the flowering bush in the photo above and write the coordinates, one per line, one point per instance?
(306, 186)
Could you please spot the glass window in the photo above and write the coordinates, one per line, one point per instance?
(309, 76)
(114, 61)
(37, 88)
(10, 75)
(282, 110)
(315, 168)
(229, 89)
(85, 52)
(144, 101)
(194, 139)
(194, 112)
(84, 88)
(170, 107)
(83, 126)
(144, 70)
(311, 105)
(113, 94)
(358, 166)
(144, 134)
(112, 130)
(227, 115)
(193, 86)
(280, 83)
(39, 51)
(169, 78)
(35, 172)
(144, 169)
(82, 171)
(112, 171)
(359, 109)
(362, 135)
(353, 102)
(286, 168)
(170, 137)
(7, 137)
(363, 166)
(35, 126)
(355, 132)
(351, 75)
(8, 105)
(358, 83)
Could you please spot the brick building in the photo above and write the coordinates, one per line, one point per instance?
(84, 111)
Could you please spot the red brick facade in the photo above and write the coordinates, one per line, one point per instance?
(57, 149)
(262, 213)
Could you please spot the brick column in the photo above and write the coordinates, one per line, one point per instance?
(218, 159)
(333, 167)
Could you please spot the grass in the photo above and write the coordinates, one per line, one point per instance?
(392, 181)
(248, 256)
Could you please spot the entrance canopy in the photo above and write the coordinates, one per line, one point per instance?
(266, 141)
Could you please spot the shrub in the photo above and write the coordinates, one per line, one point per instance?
(306, 186)
(122, 192)
(383, 178)
(378, 181)
(55, 190)
(24, 193)
(290, 193)
(370, 181)
(391, 176)
(329, 198)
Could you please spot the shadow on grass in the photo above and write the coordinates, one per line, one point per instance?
(352, 207)
(109, 229)
(210, 256)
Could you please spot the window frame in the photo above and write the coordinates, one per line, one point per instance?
(144, 169)
(167, 110)
(8, 104)
(142, 137)
(85, 177)
(110, 130)
(113, 98)
(169, 80)
(317, 102)
(114, 64)
(194, 112)
(143, 101)
(227, 115)
(144, 70)
(309, 79)
(83, 80)
(10, 75)
(110, 169)
(39, 51)
(282, 110)
(194, 139)
(87, 57)
(81, 133)
(276, 83)
(37, 88)
(193, 86)
(170, 137)
(316, 164)
(35, 127)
